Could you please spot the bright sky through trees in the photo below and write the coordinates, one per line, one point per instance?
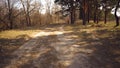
(44, 3)
(118, 12)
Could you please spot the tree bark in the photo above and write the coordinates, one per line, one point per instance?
(95, 13)
(85, 10)
(105, 18)
(27, 12)
(116, 17)
(88, 12)
(72, 17)
(10, 14)
(88, 18)
(72, 12)
(81, 13)
(84, 18)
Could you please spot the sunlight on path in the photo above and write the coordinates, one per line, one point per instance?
(55, 49)
(43, 33)
(70, 54)
(25, 53)
(32, 50)
(29, 51)
(64, 49)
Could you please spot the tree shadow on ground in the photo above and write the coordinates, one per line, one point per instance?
(106, 52)
(8, 46)
(96, 49)
(37, 55)
(91, 49)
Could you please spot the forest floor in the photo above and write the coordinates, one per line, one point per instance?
(62, 46)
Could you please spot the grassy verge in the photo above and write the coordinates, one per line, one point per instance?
(10, 40)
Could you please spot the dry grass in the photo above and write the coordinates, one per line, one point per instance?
(11, 40)
(13, 34)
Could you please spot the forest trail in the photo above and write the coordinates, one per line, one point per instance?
(65, 47)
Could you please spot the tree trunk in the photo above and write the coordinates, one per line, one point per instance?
(95, 13)
(94, 17)
(28, 14)
(10, 19)
(88, 18)
(29, 19)
(97, 19)
(88, 11)
(84, 18)
(10, 14)
(26, 10)
(85, 10)
(81, 13)
(105, 18)
(72, 18)
(117, 18)
(72, 11)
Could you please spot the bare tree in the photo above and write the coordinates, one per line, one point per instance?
(36, 15)
(10, 12)
(26, 6)
(48, 10)
(7, 10)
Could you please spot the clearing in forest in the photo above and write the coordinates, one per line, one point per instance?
(67, 46)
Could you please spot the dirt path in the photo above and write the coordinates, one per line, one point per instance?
(62, 48)
(68, 51)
